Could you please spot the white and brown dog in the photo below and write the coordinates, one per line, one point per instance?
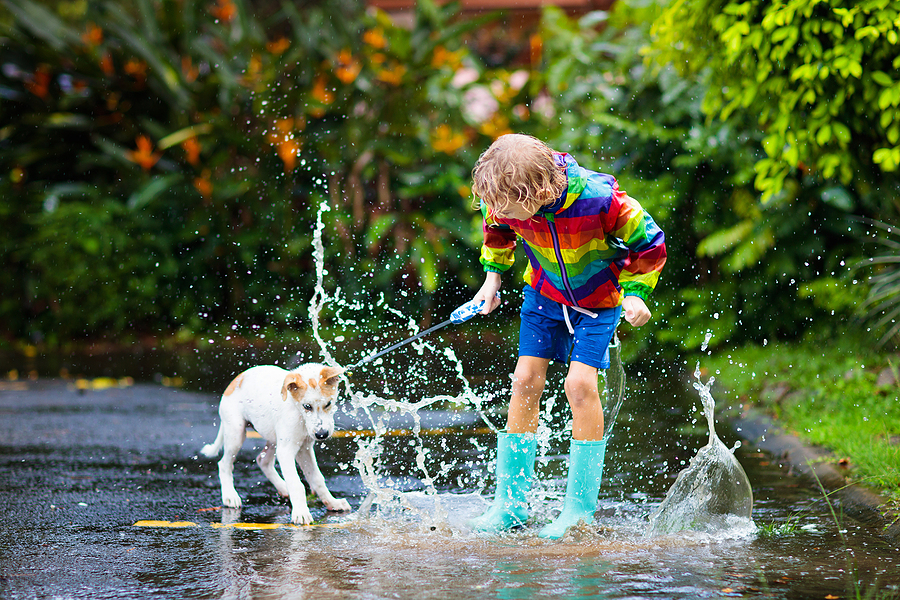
(291, 410)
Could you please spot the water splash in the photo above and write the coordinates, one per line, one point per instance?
(379, 411)
(317, 302)
(713, 494)
(615, 386)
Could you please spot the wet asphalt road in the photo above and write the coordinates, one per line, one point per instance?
(79, 468)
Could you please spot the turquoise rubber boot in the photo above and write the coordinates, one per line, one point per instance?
(582, 485)
(515, 470)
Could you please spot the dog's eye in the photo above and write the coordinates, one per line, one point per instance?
(327, 406)
(307, 406)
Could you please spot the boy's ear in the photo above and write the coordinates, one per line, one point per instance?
(546, 196)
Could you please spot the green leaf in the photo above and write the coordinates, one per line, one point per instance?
(841, 132)
(882, 78)
(143, 196)
(181, 135)
(43, 24)
(838, 197)
(721, 241)
(377, 229)
(823, 136)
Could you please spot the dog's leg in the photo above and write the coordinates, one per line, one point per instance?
(306, 458)
(235, 433)
(286, 453)
(266, 462)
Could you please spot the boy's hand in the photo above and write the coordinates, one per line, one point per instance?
(636, 311)
(488, 292)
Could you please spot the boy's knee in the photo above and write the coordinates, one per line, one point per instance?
(581, 389)
(528, 378)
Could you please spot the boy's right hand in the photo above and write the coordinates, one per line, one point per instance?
(488, 293)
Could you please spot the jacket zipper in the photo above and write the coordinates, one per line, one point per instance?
(554, 235)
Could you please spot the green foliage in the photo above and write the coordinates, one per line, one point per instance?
(819, 76)
(836, 400)
(881, 307)
(736, 265)
(164, 160)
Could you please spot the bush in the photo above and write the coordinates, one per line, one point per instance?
(164, 161)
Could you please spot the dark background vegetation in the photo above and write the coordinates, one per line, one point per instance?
(163, 162)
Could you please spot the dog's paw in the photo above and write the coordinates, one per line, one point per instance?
(338, 505)
(301, 516)
(231, 500)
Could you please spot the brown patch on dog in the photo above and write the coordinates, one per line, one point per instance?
(294, 385)
(234, 385)
(329, 379)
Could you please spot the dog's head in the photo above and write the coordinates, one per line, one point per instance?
(314, 388)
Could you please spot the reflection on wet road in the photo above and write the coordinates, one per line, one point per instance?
(104, 496)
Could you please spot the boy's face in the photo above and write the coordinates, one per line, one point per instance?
(515, 211)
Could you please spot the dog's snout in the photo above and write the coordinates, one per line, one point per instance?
(322, 434)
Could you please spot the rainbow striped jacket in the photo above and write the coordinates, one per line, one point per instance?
(590, 248)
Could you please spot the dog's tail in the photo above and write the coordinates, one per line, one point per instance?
(211, 450)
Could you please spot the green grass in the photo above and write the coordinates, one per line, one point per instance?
(824, 390)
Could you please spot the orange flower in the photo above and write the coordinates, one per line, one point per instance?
(394, 75)
(286, 146)
(375, 38)
(188, 69)
(144, 155)
(137, 69)
(287, 152)
(442, 57)
(224, 10)
(39, 84)
(495, 126)
(347, 68)
(253, 70)
(278, 46)
(320, 92)
(536, 46)
(93, 35)
(192, 149)
(444, 139)
(106, 65)
(203, 184)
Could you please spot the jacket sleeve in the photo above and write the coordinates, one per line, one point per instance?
(499, 246)
(645, 241)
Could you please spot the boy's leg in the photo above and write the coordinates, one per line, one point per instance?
(528, 385)
(583, 395)
(516, 449)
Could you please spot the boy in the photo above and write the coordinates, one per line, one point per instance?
(592, 252)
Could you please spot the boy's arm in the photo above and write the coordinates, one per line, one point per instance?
(499, 246)
(646, 244)
(497, 254)
(635, 310)
(488, 292)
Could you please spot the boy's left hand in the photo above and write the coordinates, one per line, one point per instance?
(636, 311)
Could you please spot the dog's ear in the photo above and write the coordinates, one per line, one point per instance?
(293, 385)
(329, 379)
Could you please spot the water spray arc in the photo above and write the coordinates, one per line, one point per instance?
(457, 317)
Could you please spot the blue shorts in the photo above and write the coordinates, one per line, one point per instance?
(543, 332)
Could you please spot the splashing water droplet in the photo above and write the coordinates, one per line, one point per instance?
(713, 493)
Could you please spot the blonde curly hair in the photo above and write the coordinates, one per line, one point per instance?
(519, 170)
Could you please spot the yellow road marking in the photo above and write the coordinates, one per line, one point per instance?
(405, 432)
(397, 432)
(175, 524)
